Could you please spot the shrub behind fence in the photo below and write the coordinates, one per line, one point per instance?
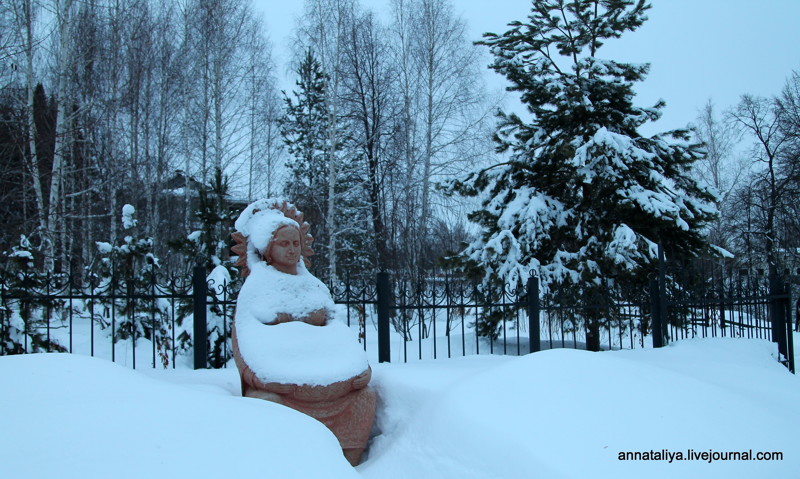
(170, 320)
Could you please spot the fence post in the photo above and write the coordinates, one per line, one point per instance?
(655, 315)
(533, 315)
(777, 312)
(788, 328)
(384, 293)
(722, 301)
(658, 302)
(3, 309)
(200, 336)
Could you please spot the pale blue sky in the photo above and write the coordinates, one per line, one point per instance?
(698, 49)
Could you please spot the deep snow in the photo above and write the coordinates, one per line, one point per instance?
(556, 413)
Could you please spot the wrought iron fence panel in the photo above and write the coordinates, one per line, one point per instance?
(358, 301)
(710, 301)
(60, 313)
(155, 316)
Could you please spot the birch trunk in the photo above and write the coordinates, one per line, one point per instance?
(332, 174)
(32, 159)
(63, 59)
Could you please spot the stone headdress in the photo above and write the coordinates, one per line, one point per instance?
(257, 225)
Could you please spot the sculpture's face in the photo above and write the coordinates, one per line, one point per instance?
(284, 250)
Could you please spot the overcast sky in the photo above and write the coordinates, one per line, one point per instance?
(698, 49)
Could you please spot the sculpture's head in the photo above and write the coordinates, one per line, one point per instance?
(273, 231)
(284, 249)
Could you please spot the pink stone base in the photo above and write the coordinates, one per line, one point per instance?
(346, 407)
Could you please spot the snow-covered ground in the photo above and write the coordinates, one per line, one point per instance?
(553, 414)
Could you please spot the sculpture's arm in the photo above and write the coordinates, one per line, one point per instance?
(318, 317)
(361, 381)
(280, 388)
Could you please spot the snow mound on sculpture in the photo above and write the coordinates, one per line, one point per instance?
(293, 352)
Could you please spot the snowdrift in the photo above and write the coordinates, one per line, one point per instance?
(554, 414)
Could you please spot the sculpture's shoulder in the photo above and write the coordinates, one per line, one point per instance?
(313, 289)
(275, 297)
(312, 281)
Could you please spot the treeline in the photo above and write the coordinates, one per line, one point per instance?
(105, 103)
(753, 160)
(172, 106)
(379, 114)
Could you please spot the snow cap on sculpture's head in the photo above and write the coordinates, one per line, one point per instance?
(257, 225)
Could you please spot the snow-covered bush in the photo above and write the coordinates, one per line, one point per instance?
(208, 246)
(24, 315)
(219, 313)
(129, 270)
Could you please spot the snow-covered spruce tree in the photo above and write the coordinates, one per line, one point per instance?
(582, 198)
(129, 269)
(304, 131)
(23, 322)
(208, 246)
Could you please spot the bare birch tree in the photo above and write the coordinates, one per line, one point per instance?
(220, 31)
(323, 31)
(63, 47)
(265, 147)
(406, 200)
(24, 14)
(368, 93)
(446, 111)
(719, 168)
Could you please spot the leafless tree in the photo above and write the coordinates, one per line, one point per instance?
(445, 110)
(265, 148)
(22, 15)
(720, 168)
(138, 88)
(368, 89)
(323, 30)
(788, 105)
(762, 197)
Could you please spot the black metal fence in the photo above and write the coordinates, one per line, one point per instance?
(185, 319)
(442, 317)
(122, 318)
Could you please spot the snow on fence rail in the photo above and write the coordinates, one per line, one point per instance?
(156, 320)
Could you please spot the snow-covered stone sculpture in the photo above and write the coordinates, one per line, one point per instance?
(287, 345)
